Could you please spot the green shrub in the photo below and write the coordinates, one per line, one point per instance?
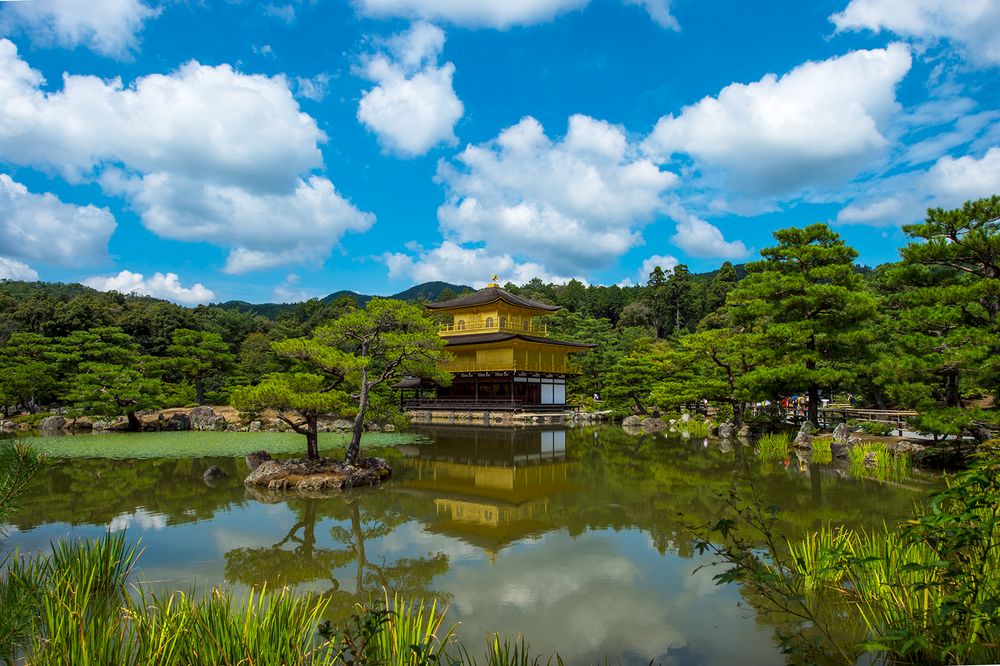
(876, 429)
(32, 420)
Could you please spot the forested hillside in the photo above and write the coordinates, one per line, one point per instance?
(922, 333)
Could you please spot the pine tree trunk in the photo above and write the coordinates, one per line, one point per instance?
(199, 391)
(738, 409)
(952, 397)
(312, 438)
(134, 424)
(813, 406)
(354, 450)
(359, 547)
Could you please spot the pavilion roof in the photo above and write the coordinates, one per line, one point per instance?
(491, 295)
(483, 338)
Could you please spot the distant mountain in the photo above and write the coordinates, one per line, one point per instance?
(428, 291)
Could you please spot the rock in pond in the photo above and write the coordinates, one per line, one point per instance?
(653, 425)
(256, 458)
(177, 422)
(841, 433)
(205, 418)
(213, 473)
(631, 421)
(51, 425)
(803, 440)
(301, 474)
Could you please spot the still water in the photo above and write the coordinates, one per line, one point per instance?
(576, 538)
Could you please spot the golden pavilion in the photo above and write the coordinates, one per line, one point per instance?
(503, 355)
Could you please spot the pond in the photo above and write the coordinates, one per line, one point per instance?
(575, 538)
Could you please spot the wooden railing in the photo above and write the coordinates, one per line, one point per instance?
(534, 329)
(469, 404)
(510, 366)
(896, 417)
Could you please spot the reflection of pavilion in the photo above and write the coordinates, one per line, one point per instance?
(491, 486)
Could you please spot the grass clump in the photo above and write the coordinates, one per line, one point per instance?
(773, 446)
(877, 461)
(693, 428)
(822, 452)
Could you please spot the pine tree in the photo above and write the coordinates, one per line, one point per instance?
(810, 306)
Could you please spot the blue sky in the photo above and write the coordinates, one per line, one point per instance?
(205, 151)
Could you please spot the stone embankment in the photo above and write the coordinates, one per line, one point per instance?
(507, 418)
(205, 418)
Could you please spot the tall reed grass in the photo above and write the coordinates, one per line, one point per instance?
(773, 446)
(694, 428)
(884, 465)
(822, 451)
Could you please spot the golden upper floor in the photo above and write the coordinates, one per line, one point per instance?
(490, 310)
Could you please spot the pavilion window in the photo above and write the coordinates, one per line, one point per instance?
(489, 322)
(461, 325)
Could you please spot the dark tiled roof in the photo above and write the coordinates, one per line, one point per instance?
(489, 295)
(408, 382)
(482, 338)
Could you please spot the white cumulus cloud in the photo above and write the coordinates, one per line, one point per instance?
(659, 11)
(821, 123)
(451, 262)
(972, 25)
(904, 198)
(40, 227)
(159, 285)
(665, 262)
(702, 239)
(471, 13)
(12, 269)
(413, 107)
(110, 28)
(205, 154)
(499, 14)
(956, 180)
(571, 205)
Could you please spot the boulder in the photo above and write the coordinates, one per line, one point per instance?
(52, 425)
(841, 433)
(391, 428)
(255, 426)
(804, 437)
(213, 473)
(839, 449)
(653, 424)
(177, 422)
(317, 475)
(632, 430)
(727, 430)
(631, 421)
(870, 461)
(342, 425)
(911, 448)
(256, 458)
(205, 418)
(685, 417)
(372, 427)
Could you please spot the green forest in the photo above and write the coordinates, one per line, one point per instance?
(921, 333)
